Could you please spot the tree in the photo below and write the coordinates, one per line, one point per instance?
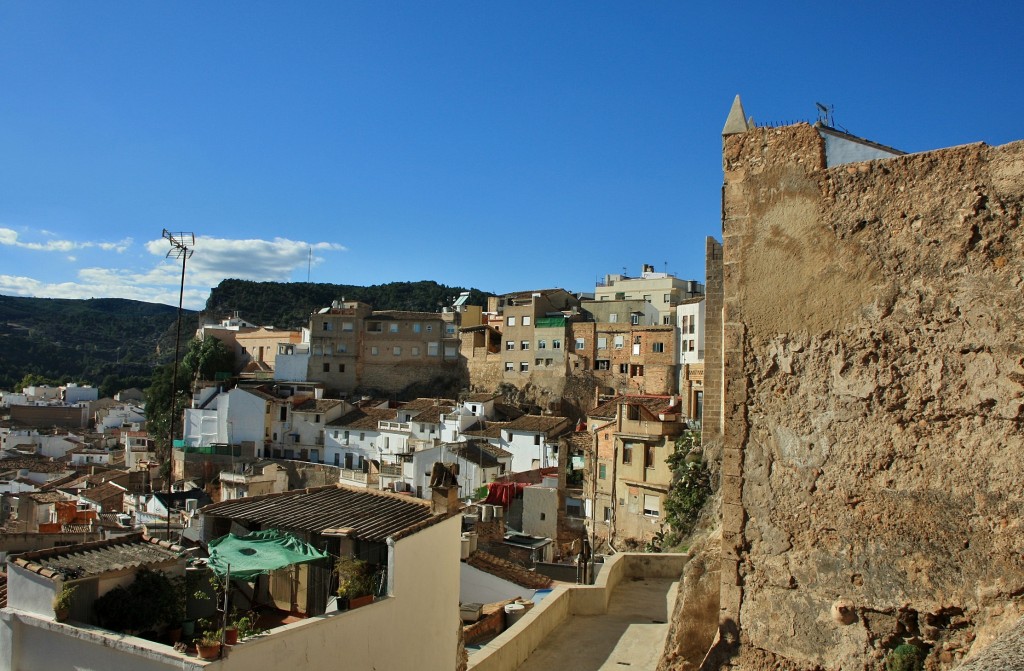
(159, 411)
(205, 358)
(690, 489)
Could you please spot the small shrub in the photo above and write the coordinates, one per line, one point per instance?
(905, 657)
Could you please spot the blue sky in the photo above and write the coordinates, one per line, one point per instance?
(499, 145)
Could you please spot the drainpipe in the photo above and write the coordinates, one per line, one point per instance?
(390, 541)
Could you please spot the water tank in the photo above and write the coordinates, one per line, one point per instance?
(485, 512)
(513, 613)
(464, 553)
(498, 512)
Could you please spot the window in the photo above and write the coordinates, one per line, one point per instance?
(327, 368)
(618, 342)
(510, 345)
(547, 362)
(666, 320)
(648, 456)
(374, 351)
(613, 317)
(573, 507)
(316, 419)
(526, 321)
(556, 344)
(524, 366)
(607, 514)
(652, 505)
(602, 471)
(658, 347)
(636, 340)
(362, 436)
(542, 344)
(602, 364)
(342, 348)
(685, 324)
(432, 348)
(580, 344)
(375, 327)
(633, 412)
(430, 327)
(602, 343)
(537, 362)
(668, 298)
(346, 326)
(647, 297)
(393, 327)
(634, 318)
(524, 345)
(536, 439)
(396, 350)
(328, 326)
(511, 321)
(341, 368)
(623, 368)
(691, 345)
(415, 351)
(627, 453)
(284, 413)
(449, 329)
(327, 350)
(416, 327)
(693, 324)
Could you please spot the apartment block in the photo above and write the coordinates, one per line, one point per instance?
(664, 291)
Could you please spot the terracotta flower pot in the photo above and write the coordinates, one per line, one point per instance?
(208, 651)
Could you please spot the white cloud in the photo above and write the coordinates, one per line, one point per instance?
(214, 259)
(11, 238)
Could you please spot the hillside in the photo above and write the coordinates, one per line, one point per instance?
(85, 340)
(288, 305)
(118, 342)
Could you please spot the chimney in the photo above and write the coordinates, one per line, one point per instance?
(444, 500)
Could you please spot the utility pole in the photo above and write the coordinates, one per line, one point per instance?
(181, 248)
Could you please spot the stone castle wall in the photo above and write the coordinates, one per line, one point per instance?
(872, 401)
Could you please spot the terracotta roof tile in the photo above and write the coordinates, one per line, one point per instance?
(98, 557)
(506, 570)
(363, 418)
(539, 423)
(372, 515)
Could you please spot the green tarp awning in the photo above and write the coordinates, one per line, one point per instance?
(259, 552)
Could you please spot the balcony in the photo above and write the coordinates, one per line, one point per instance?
(391, 470)
(394, 426)
(621, 619)
(358, 476)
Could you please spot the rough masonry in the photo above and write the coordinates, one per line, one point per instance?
(872, 408)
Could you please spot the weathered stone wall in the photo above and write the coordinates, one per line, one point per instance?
(873, 378)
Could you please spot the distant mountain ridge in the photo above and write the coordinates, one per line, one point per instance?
(289, 304)
(117, 342)
(84, 340)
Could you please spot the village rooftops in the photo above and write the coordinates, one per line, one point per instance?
(479, 452)
(537, 424)
(98, 557)
(424, 403)
(480, 398)
(320, 405)
(33, 465)
(654, 404)
(371, 515)
(364, 418)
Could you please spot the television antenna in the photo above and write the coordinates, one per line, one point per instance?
(181, 248)
(826, 113)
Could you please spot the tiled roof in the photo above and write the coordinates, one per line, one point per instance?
(652, 403)
(316, 405)
(537, 423)
(433, 414)
(479, 452)
(506, 570)
(486, 429)
(48, 497)
(103, 492)
(35, 465)
(690, 301)
(363, 418)
(372, 515)
(424, 403)
(98, 557)
(581, 441)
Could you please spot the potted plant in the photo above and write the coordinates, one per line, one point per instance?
(208, 646)
(246, 626)
(355, 583)
(62, 602)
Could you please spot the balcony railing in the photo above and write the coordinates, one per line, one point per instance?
(391, 470)
(359, 476)
(394, 426)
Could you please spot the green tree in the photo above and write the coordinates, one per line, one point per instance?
(159, 410)
(205, 358)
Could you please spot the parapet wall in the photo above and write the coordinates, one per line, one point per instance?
(873, 379)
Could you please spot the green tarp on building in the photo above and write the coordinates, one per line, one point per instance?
(259, 552)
